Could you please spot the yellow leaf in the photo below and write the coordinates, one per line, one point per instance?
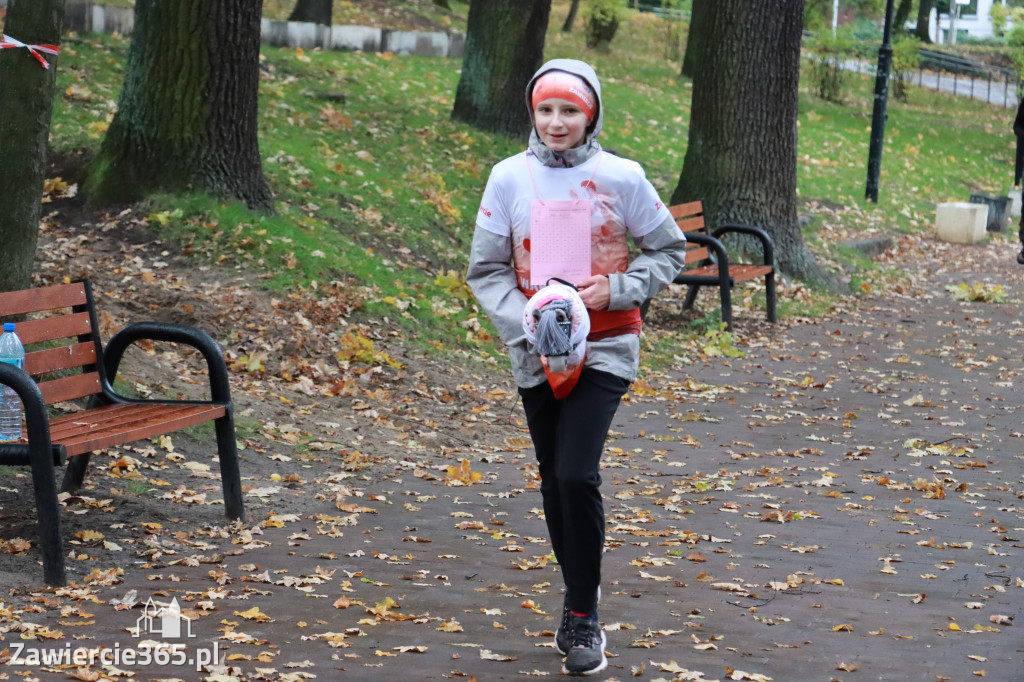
(89, 536)
(843, 628)
(254, 614)
(450, 626)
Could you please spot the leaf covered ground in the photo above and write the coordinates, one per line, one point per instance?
(842, 501)
(837, 496)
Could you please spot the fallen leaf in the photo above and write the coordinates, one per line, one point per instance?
(254, 614)
(487, 655)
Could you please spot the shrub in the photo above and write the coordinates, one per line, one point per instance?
(1015, 35)
(602, 18)
(675, 31)
(999, 14)
(906, 57)
(827, 75)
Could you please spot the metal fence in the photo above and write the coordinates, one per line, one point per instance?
(998, 88)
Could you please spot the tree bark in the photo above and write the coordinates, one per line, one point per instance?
(741, 155)
(316, 11)
(504, 47)
(902, 14)
(26, 89)
(187, 112)
(698, 17)
(571, 17)
(924, 14)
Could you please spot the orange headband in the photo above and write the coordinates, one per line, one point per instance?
(567, 86)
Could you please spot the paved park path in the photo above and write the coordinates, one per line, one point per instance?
(845, 502)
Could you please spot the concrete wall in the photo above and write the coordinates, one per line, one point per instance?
(86, 17)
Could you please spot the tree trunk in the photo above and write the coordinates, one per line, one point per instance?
(924, 14)
(316, 11)
(741, 155)
(26, 88)
(902, 14)
(571, 17)
(187, 114)
(504, 47)
(698, 18)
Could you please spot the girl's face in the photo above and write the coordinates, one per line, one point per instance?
(561, 124)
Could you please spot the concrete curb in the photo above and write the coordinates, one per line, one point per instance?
(85, 17)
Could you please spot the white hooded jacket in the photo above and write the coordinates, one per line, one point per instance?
(625, 196)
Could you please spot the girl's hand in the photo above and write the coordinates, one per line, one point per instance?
(596, 292)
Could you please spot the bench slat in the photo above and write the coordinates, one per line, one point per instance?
(739, 273)
(691, 224)
(45, 298)
(51, 328)
(687, 209)
(119, 424)
(69, 388)
(55, 359)
(103, 417)
(695, 253)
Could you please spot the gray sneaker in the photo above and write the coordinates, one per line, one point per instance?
(562, 640)
(586, 653)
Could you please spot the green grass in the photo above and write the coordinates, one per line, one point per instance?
(380, 190)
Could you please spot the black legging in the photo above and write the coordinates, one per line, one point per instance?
(569, 436)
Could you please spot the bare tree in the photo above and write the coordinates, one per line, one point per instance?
(27, 89)
(187, 113)
(924, 15)
(504, 47)
(571, 17)
(902, 14)
(741, 155)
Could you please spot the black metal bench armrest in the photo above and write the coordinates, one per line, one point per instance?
(767, 245)
(37, 422)
(717, 249)
(220, 390)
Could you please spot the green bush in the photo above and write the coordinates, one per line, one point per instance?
(1018, 64)
(675, 31)
(999, 14)
(602, 17)
(906, 57)
(827, 75)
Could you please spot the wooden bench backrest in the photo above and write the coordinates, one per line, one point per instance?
(690, 218)
(59, 336)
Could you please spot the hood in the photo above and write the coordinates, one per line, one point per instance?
(590, 147)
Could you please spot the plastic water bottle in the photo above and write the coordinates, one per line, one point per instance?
(11, 351)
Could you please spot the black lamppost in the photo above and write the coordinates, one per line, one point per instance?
(878, 117)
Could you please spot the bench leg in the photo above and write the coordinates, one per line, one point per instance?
(726, 306)
(48, 512)
(230, 478)
(691, 296)
(769, 295)
(74, 473)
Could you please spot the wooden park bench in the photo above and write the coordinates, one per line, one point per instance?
(712, 262)
(65, 360)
